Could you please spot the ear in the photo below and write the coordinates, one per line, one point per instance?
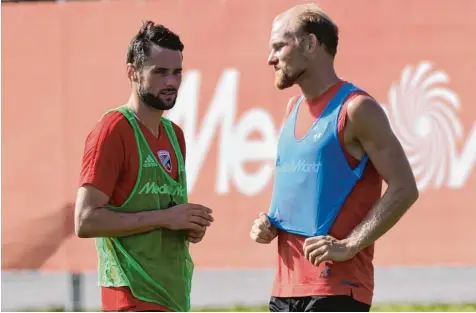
(132, 73)
(312, 43)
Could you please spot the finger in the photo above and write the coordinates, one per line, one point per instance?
(312, 240)
(252, 235)
(313, 247)
(261, 240)
(257, 236)
(264, 230)
(324, 257)
(195, 227)
(203, 214)
(265, 234)
(196, 234)
(259, 222)
(317, 253)
(264, 227)
(201, 208)
(194, 239)
(200, 221)
(264, 219)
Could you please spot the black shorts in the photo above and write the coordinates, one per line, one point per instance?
(317, 304)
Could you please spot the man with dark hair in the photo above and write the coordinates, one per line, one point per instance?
(328, 212)
(133, 189)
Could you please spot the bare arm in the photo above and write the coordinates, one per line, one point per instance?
(371, 128)
(369, 125)
(93, 219)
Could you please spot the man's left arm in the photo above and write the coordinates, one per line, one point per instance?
(370, 127)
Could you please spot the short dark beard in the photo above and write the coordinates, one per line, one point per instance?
(154, 101)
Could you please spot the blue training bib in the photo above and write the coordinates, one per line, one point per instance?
(312, 177)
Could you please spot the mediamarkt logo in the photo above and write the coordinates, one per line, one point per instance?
(153, 188)
(422, 109)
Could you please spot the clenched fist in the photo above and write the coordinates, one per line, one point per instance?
(262, 230)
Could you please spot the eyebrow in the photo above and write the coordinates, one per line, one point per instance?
(166, 69)
(276, 43)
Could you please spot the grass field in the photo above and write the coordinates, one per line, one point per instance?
(470, 307)
(376, 308)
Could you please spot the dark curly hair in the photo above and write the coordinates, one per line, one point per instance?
(151, 34)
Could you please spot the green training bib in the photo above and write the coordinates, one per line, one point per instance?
(156, 265)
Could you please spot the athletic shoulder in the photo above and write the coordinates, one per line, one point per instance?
(355, 96)
(112, 122)
(104, 152)
(365, 108)
(111, 125)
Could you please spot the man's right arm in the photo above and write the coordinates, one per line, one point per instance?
(93, 219)
(262, 231)
(103, 161)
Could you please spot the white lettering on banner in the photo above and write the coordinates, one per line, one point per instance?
(255, 150)
(463, 166)
(234, 149)
(421, 111)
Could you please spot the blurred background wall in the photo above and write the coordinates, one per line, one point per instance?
(63, 66)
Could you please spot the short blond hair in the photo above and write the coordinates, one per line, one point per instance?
(311, 19)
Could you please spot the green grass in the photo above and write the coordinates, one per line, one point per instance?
(426, 308)
(470, 307)
(375, 308)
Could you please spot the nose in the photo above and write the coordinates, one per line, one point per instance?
(172, 81)
(272, 60)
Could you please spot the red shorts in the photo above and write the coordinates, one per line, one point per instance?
(120, 299)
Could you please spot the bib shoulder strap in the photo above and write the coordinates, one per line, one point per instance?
(169, 129)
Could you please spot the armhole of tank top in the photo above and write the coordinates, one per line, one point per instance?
(136, 137)
(175, 127)
(342, 121)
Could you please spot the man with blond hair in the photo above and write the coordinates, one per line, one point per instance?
(328, 216)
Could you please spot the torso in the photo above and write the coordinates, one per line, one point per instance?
(111, 164)
(307, 115)
(295, 276)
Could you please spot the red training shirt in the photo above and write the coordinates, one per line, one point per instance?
(296, 276)
(111, 163)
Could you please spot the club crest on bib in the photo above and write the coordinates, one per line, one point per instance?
(164, 157)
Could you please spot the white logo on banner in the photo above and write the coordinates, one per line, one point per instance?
(423, 112)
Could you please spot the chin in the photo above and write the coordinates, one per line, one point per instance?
(283, 82)
(283, 85)
(168, 107)
(169, 103)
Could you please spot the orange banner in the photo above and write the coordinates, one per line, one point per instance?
(63, 66)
